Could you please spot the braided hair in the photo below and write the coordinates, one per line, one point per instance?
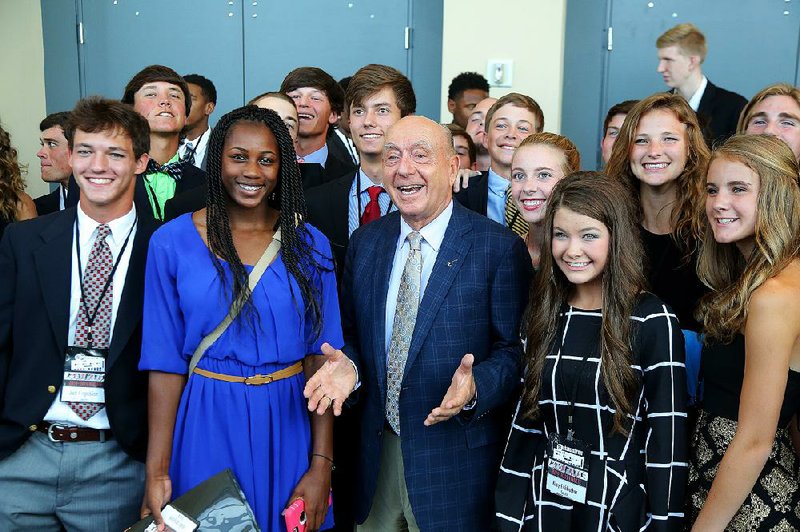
(298, 253)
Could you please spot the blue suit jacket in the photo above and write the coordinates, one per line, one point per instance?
(473, 303)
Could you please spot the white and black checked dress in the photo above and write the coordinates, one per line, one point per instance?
(636, 482)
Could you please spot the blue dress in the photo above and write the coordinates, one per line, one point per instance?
(261, 432)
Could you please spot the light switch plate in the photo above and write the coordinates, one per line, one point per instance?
(499, 72)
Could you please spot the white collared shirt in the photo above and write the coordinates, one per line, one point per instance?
(201, 142)
(353, 212)
(60, 412)
(432, 236)
(694, 101)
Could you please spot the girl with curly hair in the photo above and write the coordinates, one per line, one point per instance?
(15, 204)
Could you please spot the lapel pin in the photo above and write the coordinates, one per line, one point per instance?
(451, 262)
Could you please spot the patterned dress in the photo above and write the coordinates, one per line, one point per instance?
(636, 481)
(774, 502)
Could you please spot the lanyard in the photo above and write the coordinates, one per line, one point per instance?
(194, 148)
(151, 195)
(358, 196)
(573, 397)
(91, 317)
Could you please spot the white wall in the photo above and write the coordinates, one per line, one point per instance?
(529, 32)
(22, 101)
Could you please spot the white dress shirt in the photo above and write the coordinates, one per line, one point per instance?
(694, 101)
(432, 236)
(200, 152)
(60, 412)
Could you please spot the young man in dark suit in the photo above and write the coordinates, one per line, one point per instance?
(54, 161)
(377, 97)
(197, 132)
(162, 97)
(681, 52)
(433, 297)
(73, 405)
(320, 101)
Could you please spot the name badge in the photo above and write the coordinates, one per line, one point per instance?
(567, 468)
(84, 375)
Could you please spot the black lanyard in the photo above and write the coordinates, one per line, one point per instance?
(91, 317)
(578, 378)
(358, 198)
(194, 148)
(151, 195)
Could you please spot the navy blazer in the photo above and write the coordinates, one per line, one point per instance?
(34, 319)
(476, 196)
(51, 202)
(718, 114)
(473, 303)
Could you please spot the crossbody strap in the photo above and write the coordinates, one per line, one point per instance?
(255, 275)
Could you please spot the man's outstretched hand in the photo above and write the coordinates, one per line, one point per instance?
(460, 392)
(330, 386)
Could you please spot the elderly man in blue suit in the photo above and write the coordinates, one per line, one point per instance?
(432, 301)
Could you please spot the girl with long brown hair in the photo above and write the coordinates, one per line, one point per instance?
(15, 204)
(599, 436)
(743, 471)
(661, 155)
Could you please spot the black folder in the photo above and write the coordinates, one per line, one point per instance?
(218, 504)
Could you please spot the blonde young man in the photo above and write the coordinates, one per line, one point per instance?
(681, 52)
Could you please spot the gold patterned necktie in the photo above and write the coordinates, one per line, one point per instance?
(513, 217)
(405, 316)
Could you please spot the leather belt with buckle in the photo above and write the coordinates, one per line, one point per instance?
(63, 433)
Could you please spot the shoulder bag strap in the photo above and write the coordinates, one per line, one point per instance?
(255, 275)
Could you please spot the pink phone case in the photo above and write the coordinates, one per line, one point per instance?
(295, 516)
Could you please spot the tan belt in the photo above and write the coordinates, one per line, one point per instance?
(254, 380)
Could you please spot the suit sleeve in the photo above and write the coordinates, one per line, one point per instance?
(664, 381)
(349, 328)
(498, 375)
(8, 279)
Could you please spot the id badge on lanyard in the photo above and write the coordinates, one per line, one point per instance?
(568, 457)
(84, 375)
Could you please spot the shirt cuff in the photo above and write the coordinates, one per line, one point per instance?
(358, 379)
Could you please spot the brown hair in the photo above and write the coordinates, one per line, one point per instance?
(458, 131)
(778, 89)
(572, 158)
(96, 114)
(372, 78)
(685, 225)
(517, 100)
(12, 185)
(55, 120)
(315, 78)
(595, 195)
(622, 108)
(687, 37)
(154, 73)
(733, 277)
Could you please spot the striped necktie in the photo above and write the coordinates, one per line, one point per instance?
(513, 218)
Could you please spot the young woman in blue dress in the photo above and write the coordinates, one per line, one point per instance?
(198, 266)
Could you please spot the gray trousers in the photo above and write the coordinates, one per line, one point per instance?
(46, 486)
(391, 509)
